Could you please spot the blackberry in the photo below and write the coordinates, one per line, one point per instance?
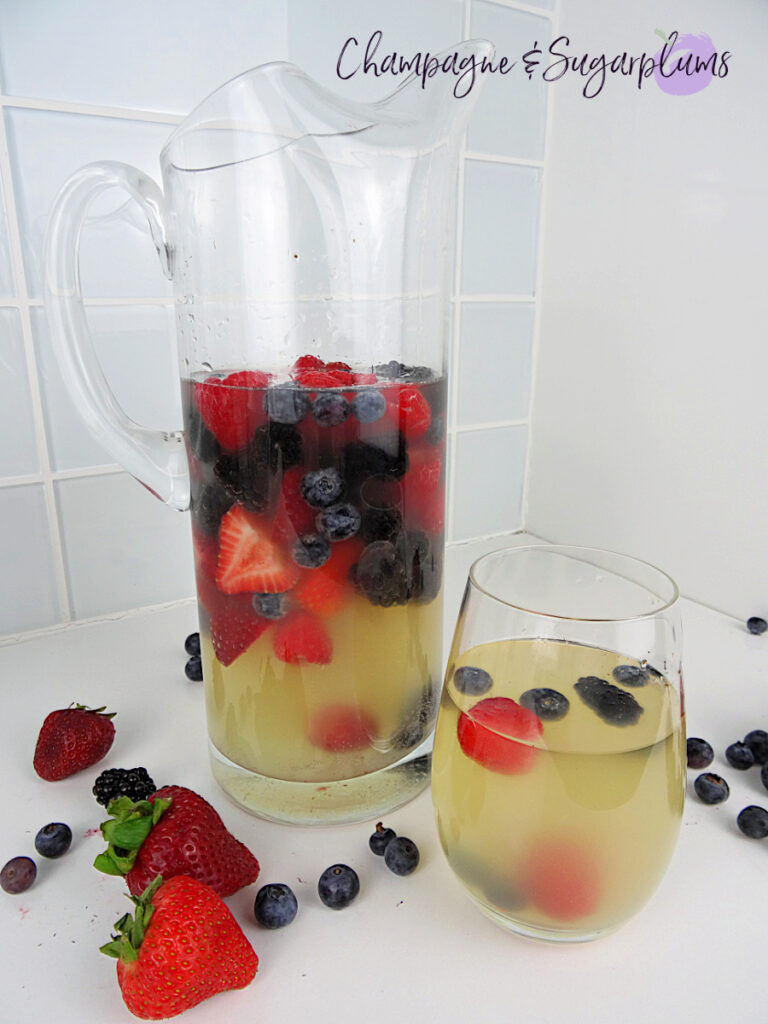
(401, 855)
(380, 524)
(277, 445)
(201, 441)
(338, 886)
(244, 478)
(380, 574)
(209, 507)
(630, 675)
(472, 681)
(548, 705)
(338, 522)
(115, 782)
(361, 460)
(614, 705)
(700, 753)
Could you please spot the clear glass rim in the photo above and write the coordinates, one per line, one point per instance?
(574, 550)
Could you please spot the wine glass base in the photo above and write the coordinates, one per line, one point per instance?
(541, 933)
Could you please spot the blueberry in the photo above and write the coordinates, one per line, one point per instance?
(613, 705)
(369, 406)
(275, 905)
(194, 669)
(338, 522)
(330, 409)
(764, 775)
(630, 675)
(286, 403)
(53, 840)
(739, 755)
(700, 753)
(753, 822)
(271, 606)
(311, 551)
(757, 741)
(380, 838)
(472, 681)
(756, 625)
(436, 431)
(711, 788)
(391, 370)
(192, 643)
(338, 886)
(548, 705)
(18, 874)
(322, 487)
(401, 855)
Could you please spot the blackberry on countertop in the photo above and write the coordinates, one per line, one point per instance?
(114, 782)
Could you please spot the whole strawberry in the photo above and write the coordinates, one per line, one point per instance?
(174, 832)
(72, 739)
(181, 946)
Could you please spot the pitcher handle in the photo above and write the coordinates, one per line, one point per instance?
(156, 458)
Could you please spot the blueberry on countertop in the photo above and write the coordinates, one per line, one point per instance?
(739, 755)
(53, 840)
(194, 669)
(757, 741)
(753, 822)
(275, 905)
(756, 625)
(700, 753)
(401, 855)
(338, 886)
(192, 644)
(711, 788)
(379, 839)
(18, 874)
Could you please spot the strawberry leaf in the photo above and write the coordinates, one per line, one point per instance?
(125, 832)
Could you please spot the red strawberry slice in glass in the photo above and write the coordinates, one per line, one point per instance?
(340, 727)
(232, 407)
(496, 732)
(234, 629)
(249, 560)
(302, 639)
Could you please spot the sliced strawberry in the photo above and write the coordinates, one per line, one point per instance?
(300, 639)
(294, 516)
(307, 362)
(232, 407)
(343, 556)
(322, 593)
(234, 630)
(316, 379)
(409, 410)
(562, 878)
(491, 731)
(249, 561)
(340, 727)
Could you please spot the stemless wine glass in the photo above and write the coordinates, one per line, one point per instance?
(559, 769)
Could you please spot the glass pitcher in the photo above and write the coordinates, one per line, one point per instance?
(306, 238)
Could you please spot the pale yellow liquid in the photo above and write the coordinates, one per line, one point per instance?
(386, 663)
(614, 794)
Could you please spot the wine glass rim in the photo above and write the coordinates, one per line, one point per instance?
(573, 549)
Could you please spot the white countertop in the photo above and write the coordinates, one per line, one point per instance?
(409, 949)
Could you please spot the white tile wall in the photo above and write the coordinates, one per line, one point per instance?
(84, 82)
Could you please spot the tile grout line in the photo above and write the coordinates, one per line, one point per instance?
(537, 306)
(513, 5)
(88, 109)
(456, 323)
(38, 416)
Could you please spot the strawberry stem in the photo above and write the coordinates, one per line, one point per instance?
(131, 930)
(126, 830)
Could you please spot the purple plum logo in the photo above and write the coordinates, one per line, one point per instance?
(685, 64)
